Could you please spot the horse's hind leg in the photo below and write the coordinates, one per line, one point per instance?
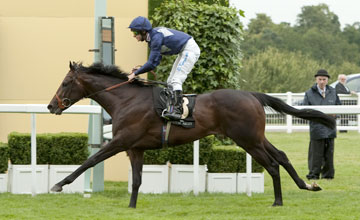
(258, 152)
(283, 160)
(137, 160)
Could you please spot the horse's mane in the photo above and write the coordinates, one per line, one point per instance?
(108, 70)
(99, 68)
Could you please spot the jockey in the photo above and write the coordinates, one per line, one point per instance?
(166, 41)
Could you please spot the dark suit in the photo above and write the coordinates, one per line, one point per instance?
(321, 147)
(341, 89)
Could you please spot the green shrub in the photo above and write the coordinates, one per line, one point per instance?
(62, 148)
(4, 157)
(217, 30)
(158, 156)
(152, 4)
(230, 160)
(182, 154)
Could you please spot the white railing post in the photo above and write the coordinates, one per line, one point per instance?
(358, 115)
(248, 174)
(196, 167)
(289, 117)
(33, 154)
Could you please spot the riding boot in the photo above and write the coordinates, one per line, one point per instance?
(176, 110)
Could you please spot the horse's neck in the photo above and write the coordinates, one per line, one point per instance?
(115, 99)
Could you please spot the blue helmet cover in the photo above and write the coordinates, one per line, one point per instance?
(140, 23)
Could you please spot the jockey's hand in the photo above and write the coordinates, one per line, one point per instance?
(134, 69)
(131, 76)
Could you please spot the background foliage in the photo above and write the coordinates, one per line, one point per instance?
(275, 57)
(62, 148)
(182, 154)
(218, 32)
(230, 159)
(152, 4)
(219, 159)
(4, 157)
(281, 57)
(277, 70)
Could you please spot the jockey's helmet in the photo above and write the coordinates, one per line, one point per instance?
(140, 24)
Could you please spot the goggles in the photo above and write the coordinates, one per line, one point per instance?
(136, 33)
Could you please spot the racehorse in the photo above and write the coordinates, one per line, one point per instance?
(238, 115)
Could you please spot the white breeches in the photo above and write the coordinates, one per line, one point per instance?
(183, 64)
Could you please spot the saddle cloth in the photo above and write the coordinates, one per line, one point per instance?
(160, 100)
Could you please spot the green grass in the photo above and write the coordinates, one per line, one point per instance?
(340, 198)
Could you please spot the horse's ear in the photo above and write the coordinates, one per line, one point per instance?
(71, 66)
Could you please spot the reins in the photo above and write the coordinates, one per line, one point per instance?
(123, 83)
(107, 89)
(66, 102)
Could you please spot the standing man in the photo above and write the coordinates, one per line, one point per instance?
(166, 41)
(341, 87)
(321, 147)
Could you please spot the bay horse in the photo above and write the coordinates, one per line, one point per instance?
(238, 115)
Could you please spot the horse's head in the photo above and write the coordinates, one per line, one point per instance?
(69, 92)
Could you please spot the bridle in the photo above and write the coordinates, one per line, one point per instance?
(63, 103)
(66, 102)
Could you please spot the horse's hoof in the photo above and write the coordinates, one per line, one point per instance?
(315, 187)
(56, 188)
(277, 204)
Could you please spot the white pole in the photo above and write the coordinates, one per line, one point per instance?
(248, 174)
(358, 116)
(33, 154)
(289, 117)
(196, 167)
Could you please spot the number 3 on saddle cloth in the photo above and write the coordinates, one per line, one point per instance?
(161, 96)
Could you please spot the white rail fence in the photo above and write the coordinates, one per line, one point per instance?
(34, 109)
(348, 114)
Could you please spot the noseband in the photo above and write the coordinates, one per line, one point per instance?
(63, 103)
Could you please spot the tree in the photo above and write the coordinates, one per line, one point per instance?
(218, 32)
(352, 33)
(319, 17)
(317, 34)
(260, 23)
(282, 71)
(276, 71)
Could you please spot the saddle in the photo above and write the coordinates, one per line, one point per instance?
(161, 96)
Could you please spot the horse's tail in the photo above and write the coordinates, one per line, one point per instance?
(281, 107)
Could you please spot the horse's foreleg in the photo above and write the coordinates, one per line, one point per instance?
(136, 159)
(107, 151)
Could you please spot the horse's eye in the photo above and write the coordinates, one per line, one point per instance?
(64, 84)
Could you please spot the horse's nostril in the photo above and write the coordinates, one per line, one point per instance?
(49, 107)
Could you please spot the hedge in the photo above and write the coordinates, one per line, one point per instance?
(219, 159)
(61, 148)
(231, 160)
(217, 30)
(4, 157)
(152, 4)
(182, 154)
